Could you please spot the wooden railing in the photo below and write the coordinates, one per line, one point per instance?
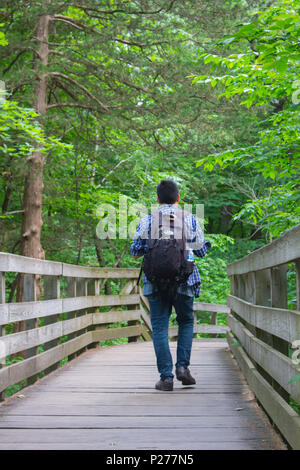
(69, 317)
(266, 331)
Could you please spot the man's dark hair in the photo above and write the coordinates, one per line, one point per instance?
(167, 192)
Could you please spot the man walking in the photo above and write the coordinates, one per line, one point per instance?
(183, 296)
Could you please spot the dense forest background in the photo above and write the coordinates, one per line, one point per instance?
(106, 98)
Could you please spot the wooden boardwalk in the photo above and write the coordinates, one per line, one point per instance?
(105, 399)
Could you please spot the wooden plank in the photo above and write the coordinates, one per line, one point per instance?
(201, 328)
(20, 311)
(78, 303)
(24, 264)
(93, 288)
(146, 318)
(285, 418)
(4, 314)
(81, 291)
(51, 291)
(2, 288)
(277, 365)
(279, 286)
(297, 266)
(29, 367)
(205, 307)
(29, 281)
(280, 322)
(201, 306)
(16, 342)
(250, 287)
(2, 330)
(214, 321)
(114, 333)
(71, 270)
(212, 438)
(279, 299)
(92, 408)
(262, 292)
(133, 339)
(127, 288)
(115, 316)
(86, 409)
(71, 292)
(145, 334)
(284, 249)
(241, 286)
(128, 422)
(144, 299)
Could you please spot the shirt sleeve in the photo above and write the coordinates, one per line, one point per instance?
(139, 244)
(202, 252)
(196, 240)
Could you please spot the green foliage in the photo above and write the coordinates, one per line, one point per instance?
(19, 130)
(124, 115)
(3, 40)
(265, 71)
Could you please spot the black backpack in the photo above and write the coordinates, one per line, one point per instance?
(165, 264)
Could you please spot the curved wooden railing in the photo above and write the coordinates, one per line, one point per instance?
(71, 315)
(267, 331)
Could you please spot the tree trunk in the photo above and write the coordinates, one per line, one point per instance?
(33, 185)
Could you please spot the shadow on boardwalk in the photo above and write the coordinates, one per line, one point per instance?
(105, 399)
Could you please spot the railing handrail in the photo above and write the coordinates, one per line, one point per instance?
(25, 265)
(284, 249)
(267, 330)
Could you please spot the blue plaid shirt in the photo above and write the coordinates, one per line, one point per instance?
(195, 243)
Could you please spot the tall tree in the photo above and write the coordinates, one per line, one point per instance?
(116, 64)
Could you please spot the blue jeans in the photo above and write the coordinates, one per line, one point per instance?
(160, 311)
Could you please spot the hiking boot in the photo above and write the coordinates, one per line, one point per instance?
(165, 385)
(183, 374)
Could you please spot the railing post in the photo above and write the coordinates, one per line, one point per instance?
(81, 291)
(133, 322)
(51, 291)
(297, 266)
(102, 326)
(71, 292)
(29, 283)
(279, 300)
(195, 335)
(262, 296)
(234, 284)
(93, 289)
(250, 296)
(214, 321)
(250, 287)
(241, 286)
(2, 327)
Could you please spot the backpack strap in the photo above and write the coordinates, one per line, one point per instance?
(139, 277)
(159, 224)
(156, 222)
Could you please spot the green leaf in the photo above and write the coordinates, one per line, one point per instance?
(236, 343)
(294, 379)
